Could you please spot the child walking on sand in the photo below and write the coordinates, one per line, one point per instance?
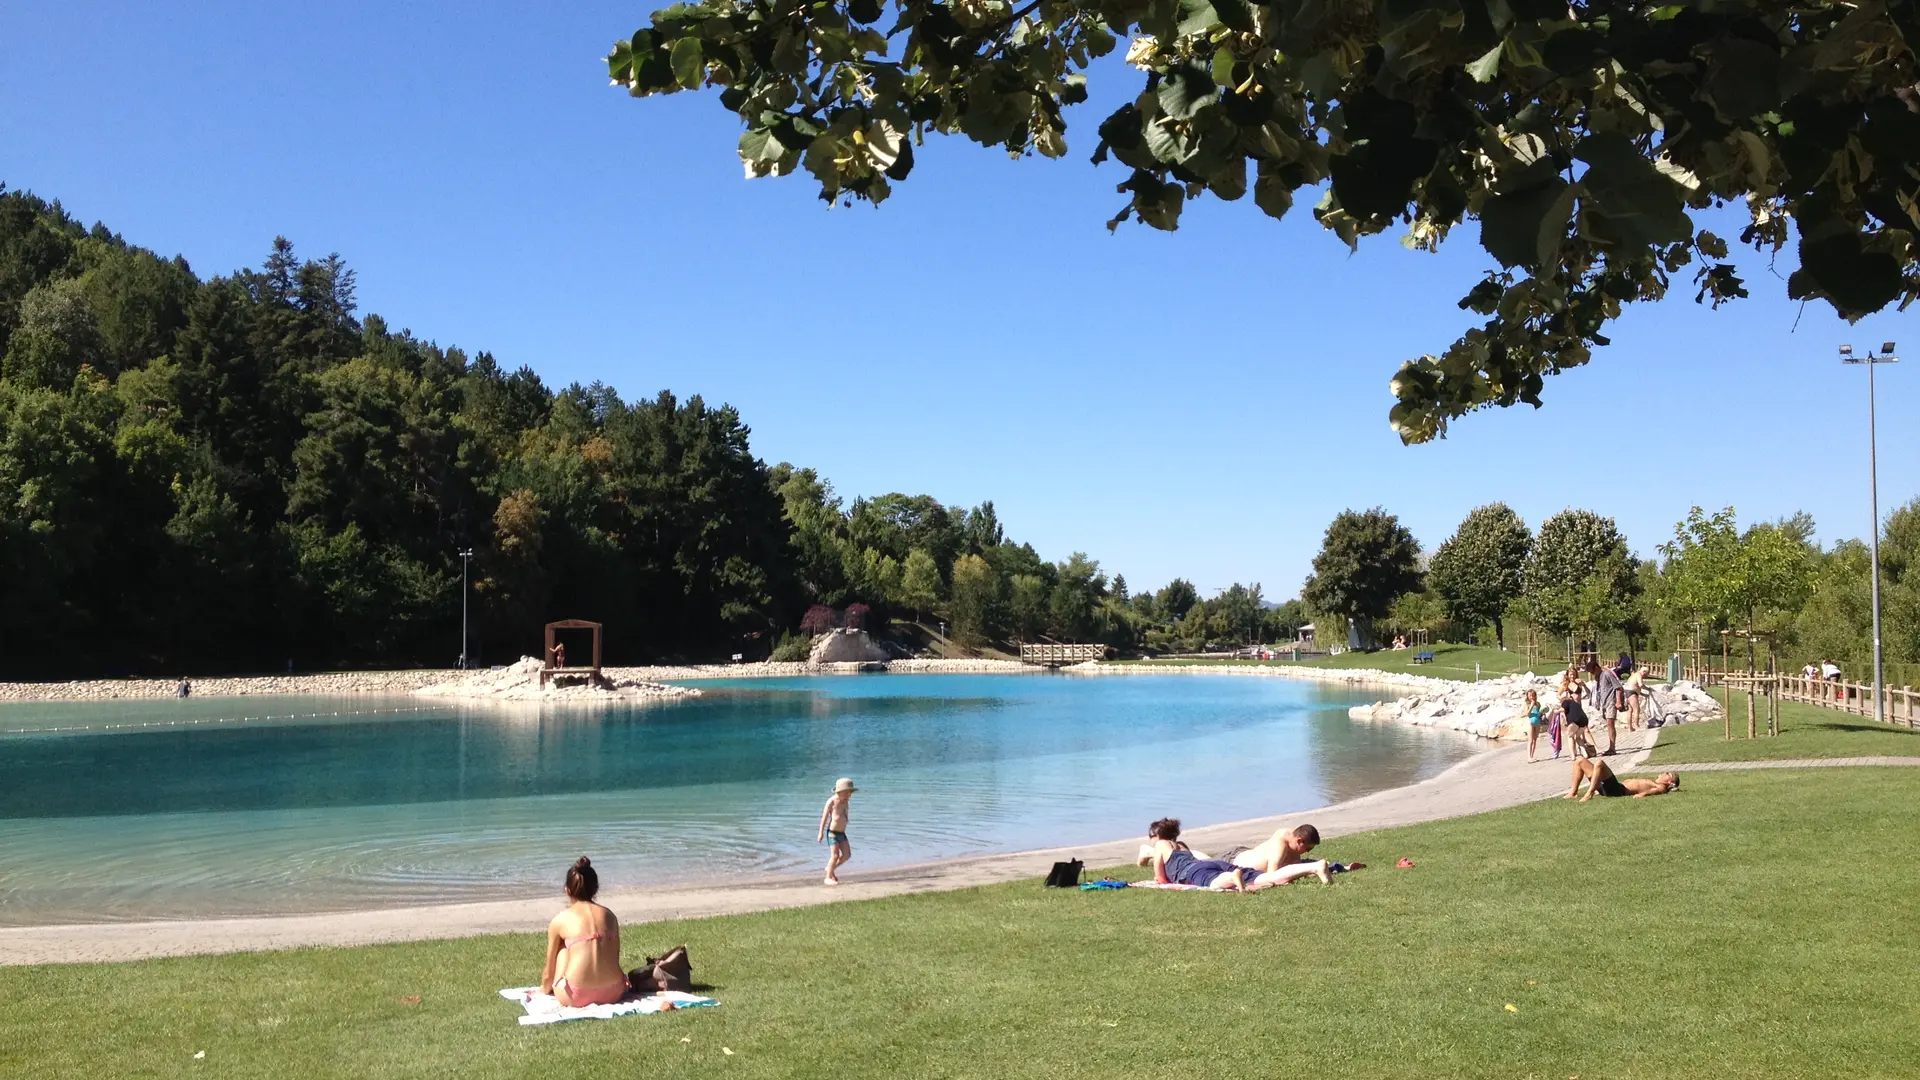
(833, 828)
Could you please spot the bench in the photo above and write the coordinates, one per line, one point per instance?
(1423, 657)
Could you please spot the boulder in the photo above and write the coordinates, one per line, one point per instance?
(846, 647)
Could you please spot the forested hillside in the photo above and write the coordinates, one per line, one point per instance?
(235, 472)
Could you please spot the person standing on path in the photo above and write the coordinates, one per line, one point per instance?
(1571, 690)
(1606, 698)
(833, 828)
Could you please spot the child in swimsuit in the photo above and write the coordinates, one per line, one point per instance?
(833, 828)
(1536, 719)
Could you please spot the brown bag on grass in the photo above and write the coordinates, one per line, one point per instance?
(670, 972)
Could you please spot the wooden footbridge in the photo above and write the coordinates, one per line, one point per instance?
(1051, 655)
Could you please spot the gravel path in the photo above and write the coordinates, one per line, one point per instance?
(1491, 780)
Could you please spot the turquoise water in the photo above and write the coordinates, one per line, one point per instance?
(228, 806)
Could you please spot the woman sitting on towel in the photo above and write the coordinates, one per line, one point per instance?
(583, 946)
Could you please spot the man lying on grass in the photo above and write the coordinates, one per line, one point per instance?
(1601, 781)
(1174, 863)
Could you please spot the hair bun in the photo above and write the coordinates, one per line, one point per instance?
(583, 863)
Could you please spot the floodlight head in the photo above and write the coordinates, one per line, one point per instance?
(1846, 350)
(1886, 348)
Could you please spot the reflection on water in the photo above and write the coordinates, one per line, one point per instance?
(447, 803)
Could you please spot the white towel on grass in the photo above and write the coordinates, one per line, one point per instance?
(543, 1009)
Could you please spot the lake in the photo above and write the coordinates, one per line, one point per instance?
(162, 809)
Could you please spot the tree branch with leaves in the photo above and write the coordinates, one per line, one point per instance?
(1581, 136)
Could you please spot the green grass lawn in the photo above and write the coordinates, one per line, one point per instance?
(1806, 731)
(1633, 938)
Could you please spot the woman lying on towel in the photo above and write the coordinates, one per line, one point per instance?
(1174, 863)
(583, 946)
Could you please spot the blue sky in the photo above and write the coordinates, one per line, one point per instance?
(1198, 403)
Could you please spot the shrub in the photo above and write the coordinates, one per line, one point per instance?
(792, 647)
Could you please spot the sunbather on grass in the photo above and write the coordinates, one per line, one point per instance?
(1175, 863)
(583, 946)
(1601, 781)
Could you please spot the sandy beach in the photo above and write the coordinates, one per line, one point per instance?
(1491, 780)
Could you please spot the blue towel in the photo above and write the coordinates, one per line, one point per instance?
(1107, 883)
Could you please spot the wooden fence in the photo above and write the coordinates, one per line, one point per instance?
(1059, 655)
(1901, 704)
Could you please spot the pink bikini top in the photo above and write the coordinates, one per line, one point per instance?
(595, 936)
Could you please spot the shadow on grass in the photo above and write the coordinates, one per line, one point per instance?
(1853, 726)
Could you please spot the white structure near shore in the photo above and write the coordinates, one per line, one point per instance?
(521, 682)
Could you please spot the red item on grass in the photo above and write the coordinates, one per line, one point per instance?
(1404, 864)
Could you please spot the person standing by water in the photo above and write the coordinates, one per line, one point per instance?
(185, 689)
(833, 827)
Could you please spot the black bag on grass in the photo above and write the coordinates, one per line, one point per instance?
(670, 972)
(1065, 875)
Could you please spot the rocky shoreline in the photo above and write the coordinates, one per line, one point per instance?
(1497, 709)
(1488, 709)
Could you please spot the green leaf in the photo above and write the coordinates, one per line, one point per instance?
(1222, 67)
(1272, 195)
(790, 53)
(819, 161)
(1163, 143)
(1488, 66)
(1524, 228)
(1235, 15)
(1637, 205)
(1744, 80)
(761, 146)
(903, 164)
(1196, 17)
(1836, 263)
(1230, 181)
(689, 63)
(1185, 91)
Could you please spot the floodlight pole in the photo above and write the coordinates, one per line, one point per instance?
(1873, 495)
(466, 556)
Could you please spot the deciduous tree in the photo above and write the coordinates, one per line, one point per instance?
(1582, 136)
(976, 601)
(1477, 571)
(1367, 560)
(919, 582)
(1571, 547)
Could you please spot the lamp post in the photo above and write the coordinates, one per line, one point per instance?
(466, 556)
(1873, 494)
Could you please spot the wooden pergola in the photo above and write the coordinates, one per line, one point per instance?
(549, 665)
